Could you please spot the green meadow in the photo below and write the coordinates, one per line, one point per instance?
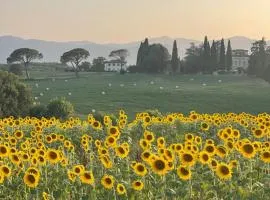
(109, 92)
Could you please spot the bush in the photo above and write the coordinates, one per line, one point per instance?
(154, 113)
(16, 69)
(99, 116)
(60, 108)
(15, 96)
(38, 111)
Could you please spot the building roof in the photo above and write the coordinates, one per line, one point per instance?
(114, 61)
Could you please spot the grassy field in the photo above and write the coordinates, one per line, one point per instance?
(138, 92)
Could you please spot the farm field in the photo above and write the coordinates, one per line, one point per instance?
(109, 92)
(170, 157)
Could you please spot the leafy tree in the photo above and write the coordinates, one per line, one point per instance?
(98, 64)
(175, 60)
(229, 57)
(222, 61)
(120, 54)
(16, 69)
(259, 62)
(214, 55)
(85, 66)
(193, 59)
(24, 56)
(157, 59)
(75, 57)
(15, 96)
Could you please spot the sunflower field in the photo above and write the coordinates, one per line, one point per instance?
(173, 156)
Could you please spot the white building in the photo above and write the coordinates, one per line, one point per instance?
(115, 66)
(240, 59)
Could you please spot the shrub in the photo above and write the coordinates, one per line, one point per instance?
(38, 111)
(15, 96)
(99, 116)
(59, 108)
(154, 113)
(16, 69)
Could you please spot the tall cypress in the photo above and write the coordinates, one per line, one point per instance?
(175, 60)
(206, 55)
(214, 56)
(139, 55)
(222, 59)
(229, 56)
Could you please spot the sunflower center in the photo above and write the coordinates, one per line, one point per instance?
(184, 171)
(53, 155)
(188, 157)
(266, 155)
(159, 164)
(31, 178)
(3, 150)
(248, 148)
(140, 168)
(224, 170)
(108, 181)
(87, 176)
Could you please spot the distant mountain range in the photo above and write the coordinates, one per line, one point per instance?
(52, 50)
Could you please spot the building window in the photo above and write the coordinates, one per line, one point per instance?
(109, 64)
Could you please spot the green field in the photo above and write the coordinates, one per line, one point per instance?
(232, 94)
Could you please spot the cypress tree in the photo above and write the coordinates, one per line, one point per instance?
(229, 56)
(206, 55)
(139, 55)
(214, 57)
(222, 64)
(175, 59)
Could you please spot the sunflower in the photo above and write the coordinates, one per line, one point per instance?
(168, 155)
(189, 137)
(233, 163)
(247, 150)
(145, 156)
(78, 169)
(33, 170)
(15, 159)
(31, 180)
(144, 144)
(137, 185)
(187, 158)
(159, 166)
(149, 136)
(114, 131)
(178, 147)
(120, 189)
(71, 175)
(210, 148)
(52, 156)
(213, 164)
(140, 169)
(107, 181)
(204, 126)
(265, 156)
(198, 140)
(224, 171)
(111, 141)
(184, 173)
(87, 177)
(204, 157)
(4, 151)
(18, 134)
(258, 133)
(161, 142)
(5, 170)
(48, 139)
(106, 161)
(221, 151)
(121, 152)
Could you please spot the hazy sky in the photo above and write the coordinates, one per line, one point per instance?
(106, 21)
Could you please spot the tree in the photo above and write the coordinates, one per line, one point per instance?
(59, 108)
(222, 64)
(24, 56)
(175, 60)
(206, 56)
(98, 64)
(157, 59)
(85, 66)
(75, 57)
(214, 57)
(193, 59)
(229, 57)
(16, 69)
(15, 96)
(142, 54)
(120, 54)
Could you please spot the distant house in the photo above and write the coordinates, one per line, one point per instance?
(240, 59)
(114, 66)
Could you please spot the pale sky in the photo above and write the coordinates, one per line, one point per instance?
(120, 21)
